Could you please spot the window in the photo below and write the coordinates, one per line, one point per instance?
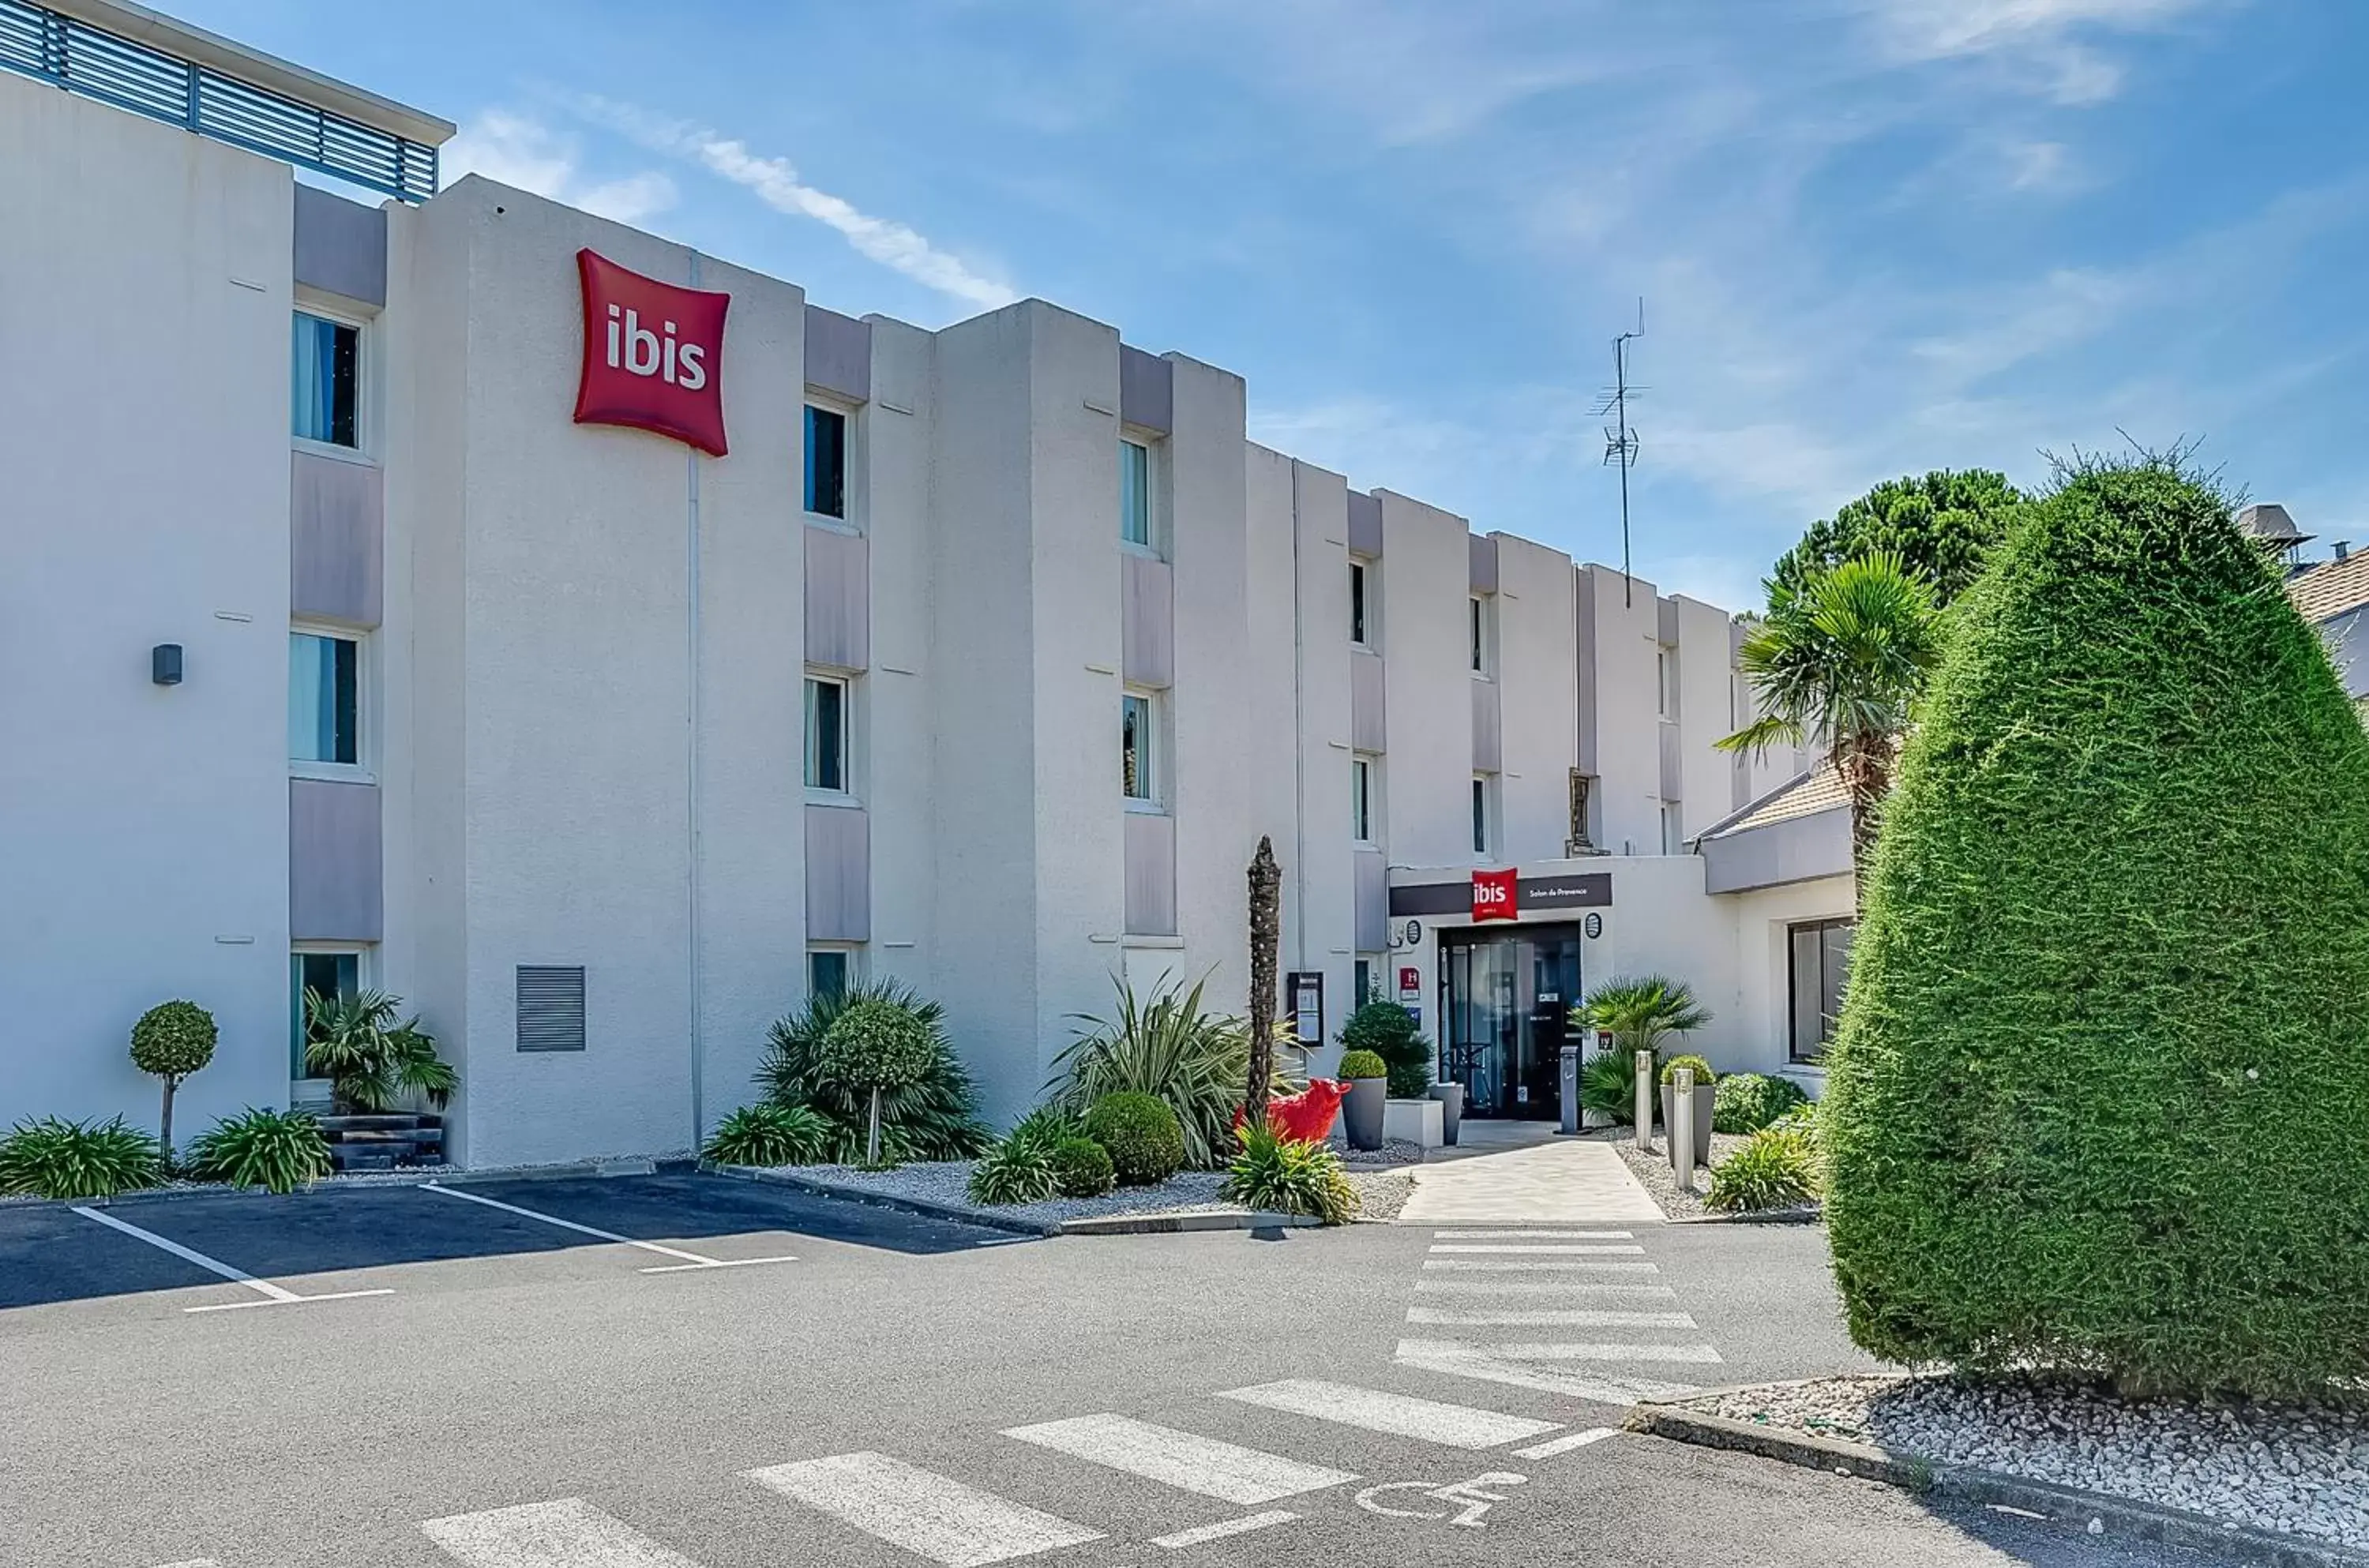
(1821, 963)
(1480, 639)
(826, 971)
(1358, 603)
(1138, 758)
(1135, 493)
(1361, 799)
(327, 381)
(1479, 815)
(324, 699)
(1363, 987)
(825, 734)
(1673, 830)
(333, 975)
(1665, 681)
(826, 462)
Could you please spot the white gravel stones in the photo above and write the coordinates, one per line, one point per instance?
(1381, 1192)
(2299, 1469)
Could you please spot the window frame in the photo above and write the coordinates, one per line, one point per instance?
(1816, 1053)
(365, 955)
(1154, 542)
(363, 769)
(1483, 666)
(1484, 817)
(1361, 631)
(844, 793)
(846, 518)
(1151, 748)
(849, 957)
(365, 448)
(1363, 799)
(1665, 683)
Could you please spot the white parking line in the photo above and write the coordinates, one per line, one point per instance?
(919, 1510)
(273, 1295)
(1566, 1443)
(690, 1261)
(1491, 1265)
(1224, 1528)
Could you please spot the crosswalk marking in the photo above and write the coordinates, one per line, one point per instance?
(1553, 1317)
(1560, 1249)
(568, 1533)
(1533, 1235)
(1599, 1387)
(192, 1562)
(1584, 1350)
(1582, 1287)
(1565, 1443)
(1401, 1416)
(1528, 1266)
(926, 1513)
(1224, 1528)
(1182, 1459)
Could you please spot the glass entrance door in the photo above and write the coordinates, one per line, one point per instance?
(1506, 1009)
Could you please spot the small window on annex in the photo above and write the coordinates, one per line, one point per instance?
(1135, 493)
(826, 462)
(324, 698)
(1820, 961)
(326, 381)
(826, 971)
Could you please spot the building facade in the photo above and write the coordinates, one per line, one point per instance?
(348, 654)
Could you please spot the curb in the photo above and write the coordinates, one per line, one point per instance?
(1781, 1217)
(1098, 1225)
(1194, 1220)
(363, 1180)
(2060, 1505)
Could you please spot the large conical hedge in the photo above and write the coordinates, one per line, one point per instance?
(2101, 1093)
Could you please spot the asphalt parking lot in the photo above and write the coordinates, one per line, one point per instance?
(233, 1250)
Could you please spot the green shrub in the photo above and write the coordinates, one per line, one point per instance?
(172, 1040)
(1018, 1170)
(1390, 1032)
(2098, 1097)
(1363, 1064)
(1704, 1076)
(1746, 1102)
(373, 1063)
(934, 1117)
(1607, 1085)
(55, 1158)
(278, 1150)
(767, 1134)
(1082, 1167)
(874, 1044)
(1196, 1063)
(1642, 1011)
(1289, 1176)
(1775, 1169)
(1140, 1133)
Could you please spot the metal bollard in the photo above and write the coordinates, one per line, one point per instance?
(1682, 1130)
(1569, 1084)
(1645, 1100)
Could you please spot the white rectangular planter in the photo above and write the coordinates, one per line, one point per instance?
(1414, 1121)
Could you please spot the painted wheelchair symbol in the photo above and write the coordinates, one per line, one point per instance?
(1465, 1502)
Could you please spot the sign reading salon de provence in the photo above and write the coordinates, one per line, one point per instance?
(653, 355)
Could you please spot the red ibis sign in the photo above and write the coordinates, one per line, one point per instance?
(1496, 895)
(653, 355)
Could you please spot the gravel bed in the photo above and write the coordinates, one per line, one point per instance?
(943, 1181)
(1393, 1151)
(2300, 1470)
(1382, 1194)
(1652, 1171)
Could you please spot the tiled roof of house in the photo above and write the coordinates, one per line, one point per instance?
(2332, 588)
(1820, 789)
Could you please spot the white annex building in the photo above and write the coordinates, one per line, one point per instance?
(356, 635)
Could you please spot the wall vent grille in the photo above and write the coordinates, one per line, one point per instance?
(550, 1007)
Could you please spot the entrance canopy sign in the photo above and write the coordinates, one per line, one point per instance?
(1495, 895)
(1533, 895)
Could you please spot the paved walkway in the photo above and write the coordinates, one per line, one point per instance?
(1521, 1172)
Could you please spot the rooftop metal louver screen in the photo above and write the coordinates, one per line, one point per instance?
(100, 64)
(550, 1007)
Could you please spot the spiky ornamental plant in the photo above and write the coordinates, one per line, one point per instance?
(2097, 1094)
(172, 1040)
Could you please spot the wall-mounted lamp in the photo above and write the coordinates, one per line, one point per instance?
(164, 664)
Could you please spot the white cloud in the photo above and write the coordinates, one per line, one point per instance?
(2043, 41)
(775, 182)
(517, 150)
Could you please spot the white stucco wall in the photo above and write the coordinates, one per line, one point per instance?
(1628, 728)
(1425, 585)
(1319, 914)
(1537, 695)
(1705, 693)
(144, 301)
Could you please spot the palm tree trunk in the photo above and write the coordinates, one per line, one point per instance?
(1866, 767)
(1265, 888)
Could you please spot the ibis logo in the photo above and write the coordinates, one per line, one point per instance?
(652, 354)
(1495, 895)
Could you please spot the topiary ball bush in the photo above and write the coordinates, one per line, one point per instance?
(1140, 1133)
(1082, 1167)
(876, 1044)
(2098, 1095)
(1363, 1064)
(1746, 1102)
(173, 1039)
(1704, 1077)
(1390, 1032)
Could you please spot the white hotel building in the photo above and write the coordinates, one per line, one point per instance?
(983, 660)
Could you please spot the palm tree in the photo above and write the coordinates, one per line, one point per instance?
(1642, 1011)
(1841, 658)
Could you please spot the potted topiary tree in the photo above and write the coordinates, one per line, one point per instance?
(874, 1047)
(1705, 1097)
(1390, 1032)
(1362, 1111)
(172, 1040)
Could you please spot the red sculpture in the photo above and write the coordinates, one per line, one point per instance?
(1307, 1117)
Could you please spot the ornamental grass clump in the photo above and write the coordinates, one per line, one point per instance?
(277, 1151)
(1286, 1175)
(765, 1134)
(54, 1158)
(2098, 1098)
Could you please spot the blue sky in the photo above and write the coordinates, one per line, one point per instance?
(1872, 236)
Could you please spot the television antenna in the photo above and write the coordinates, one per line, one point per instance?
(1620, 440)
